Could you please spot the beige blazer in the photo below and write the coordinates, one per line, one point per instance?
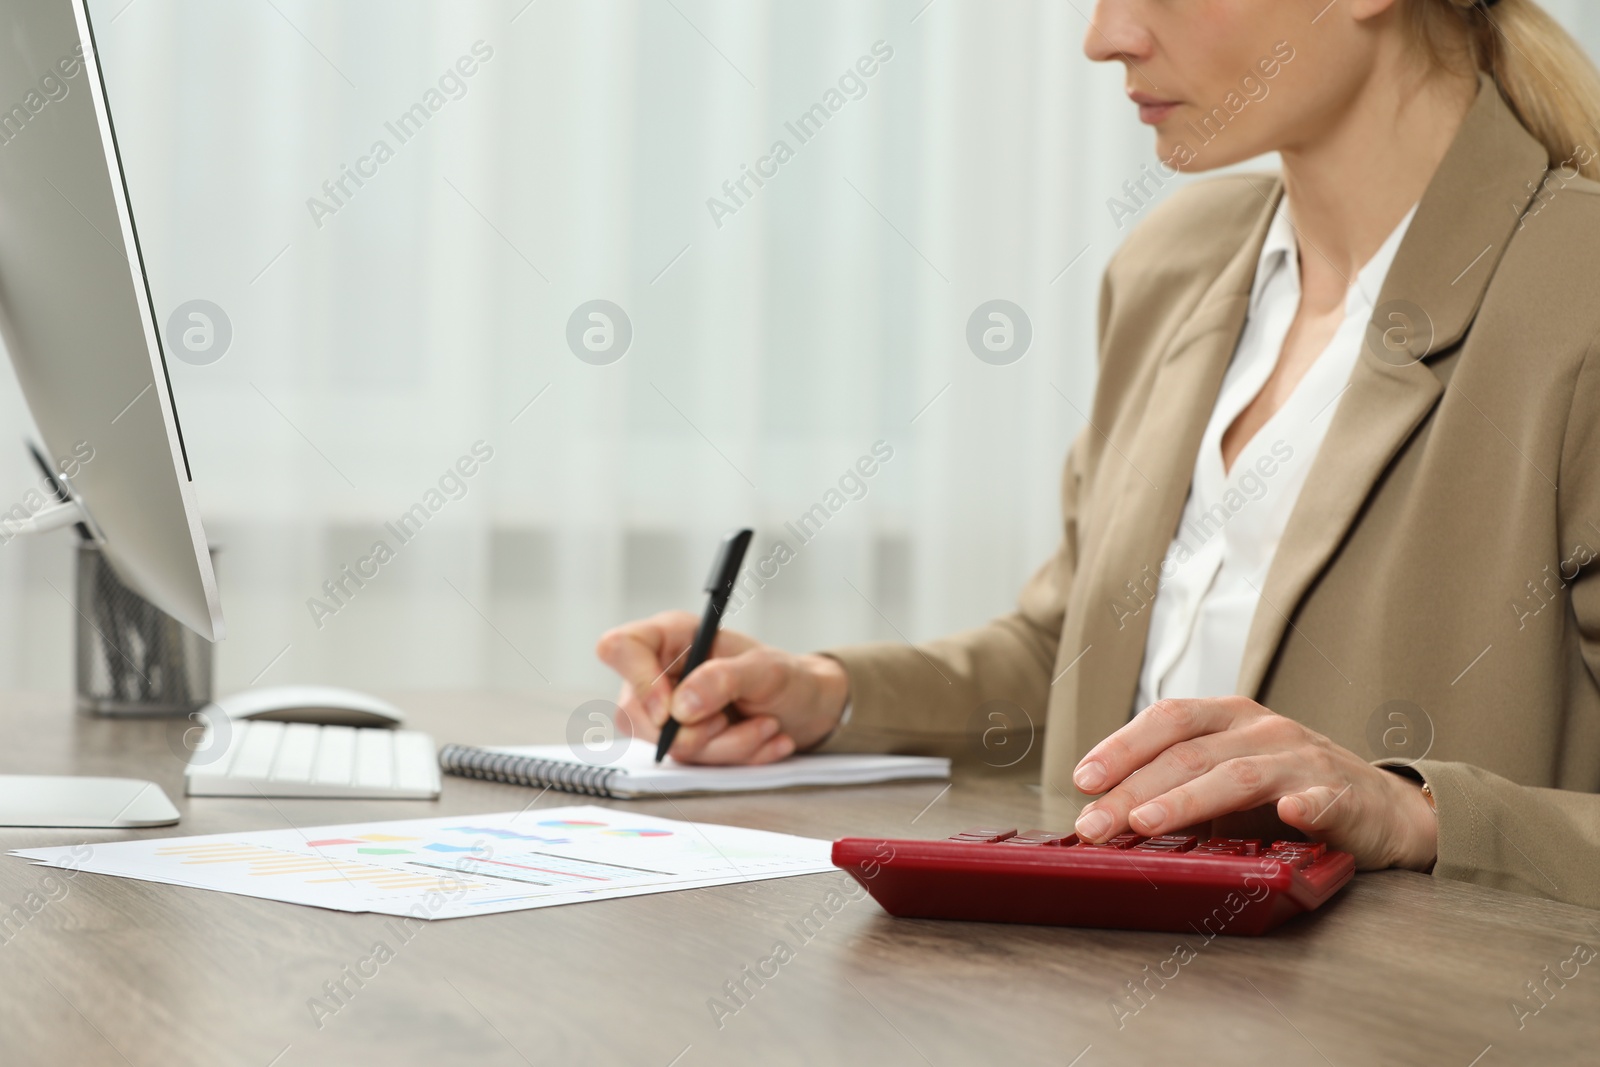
(1441, 556)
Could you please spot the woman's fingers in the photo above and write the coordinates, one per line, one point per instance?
(631, 719)
(1185, 761)
(695, 736)
(1154, 730)
(643, 654)
(795, 701)
(758, 739)
(753, 676)
(1313, 810)
(700, 700)
(1188, 763)
(1232, 785)
(1378, 817)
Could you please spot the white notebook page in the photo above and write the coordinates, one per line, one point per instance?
(640, 775)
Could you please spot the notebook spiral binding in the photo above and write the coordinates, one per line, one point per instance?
(570, 777)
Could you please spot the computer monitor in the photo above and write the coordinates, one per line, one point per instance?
(78, 322)
(77, 318)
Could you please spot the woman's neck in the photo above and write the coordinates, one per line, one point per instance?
(1351, 183)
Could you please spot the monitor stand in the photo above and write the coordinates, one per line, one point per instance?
(110, 803)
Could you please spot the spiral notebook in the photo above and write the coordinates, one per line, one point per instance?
(634, 771)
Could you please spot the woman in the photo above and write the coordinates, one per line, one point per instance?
(1342, 476)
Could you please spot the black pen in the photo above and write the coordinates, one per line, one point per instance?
(724, 572)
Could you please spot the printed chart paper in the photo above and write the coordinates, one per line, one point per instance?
(458, 865)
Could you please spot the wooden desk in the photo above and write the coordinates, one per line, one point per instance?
(1399, 969)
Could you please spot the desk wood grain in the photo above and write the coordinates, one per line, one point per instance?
(1400, 968)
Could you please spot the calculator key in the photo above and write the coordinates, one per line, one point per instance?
(985, 834)
(1230, 846)
(1296, 861)
(1121, 841)
(1167, 843)
(1040, 837)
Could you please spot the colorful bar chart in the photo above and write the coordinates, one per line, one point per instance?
(456, 866)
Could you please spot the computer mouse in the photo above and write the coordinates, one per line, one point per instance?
(324, 705)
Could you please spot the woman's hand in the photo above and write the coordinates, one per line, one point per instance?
(786, 703)
(1184, 762)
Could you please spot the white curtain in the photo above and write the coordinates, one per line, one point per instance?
(775, 341)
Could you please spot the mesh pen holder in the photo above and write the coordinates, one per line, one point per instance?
(133, 659)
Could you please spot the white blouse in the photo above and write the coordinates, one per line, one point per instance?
(1212, 575)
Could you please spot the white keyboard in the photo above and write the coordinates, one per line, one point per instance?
(279, 759)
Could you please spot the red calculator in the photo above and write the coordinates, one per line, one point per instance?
(1173, 882)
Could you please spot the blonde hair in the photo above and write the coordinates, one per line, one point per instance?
(1545, 75)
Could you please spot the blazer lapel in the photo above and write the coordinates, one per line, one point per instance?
(1157, 464)
(1466, 217)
